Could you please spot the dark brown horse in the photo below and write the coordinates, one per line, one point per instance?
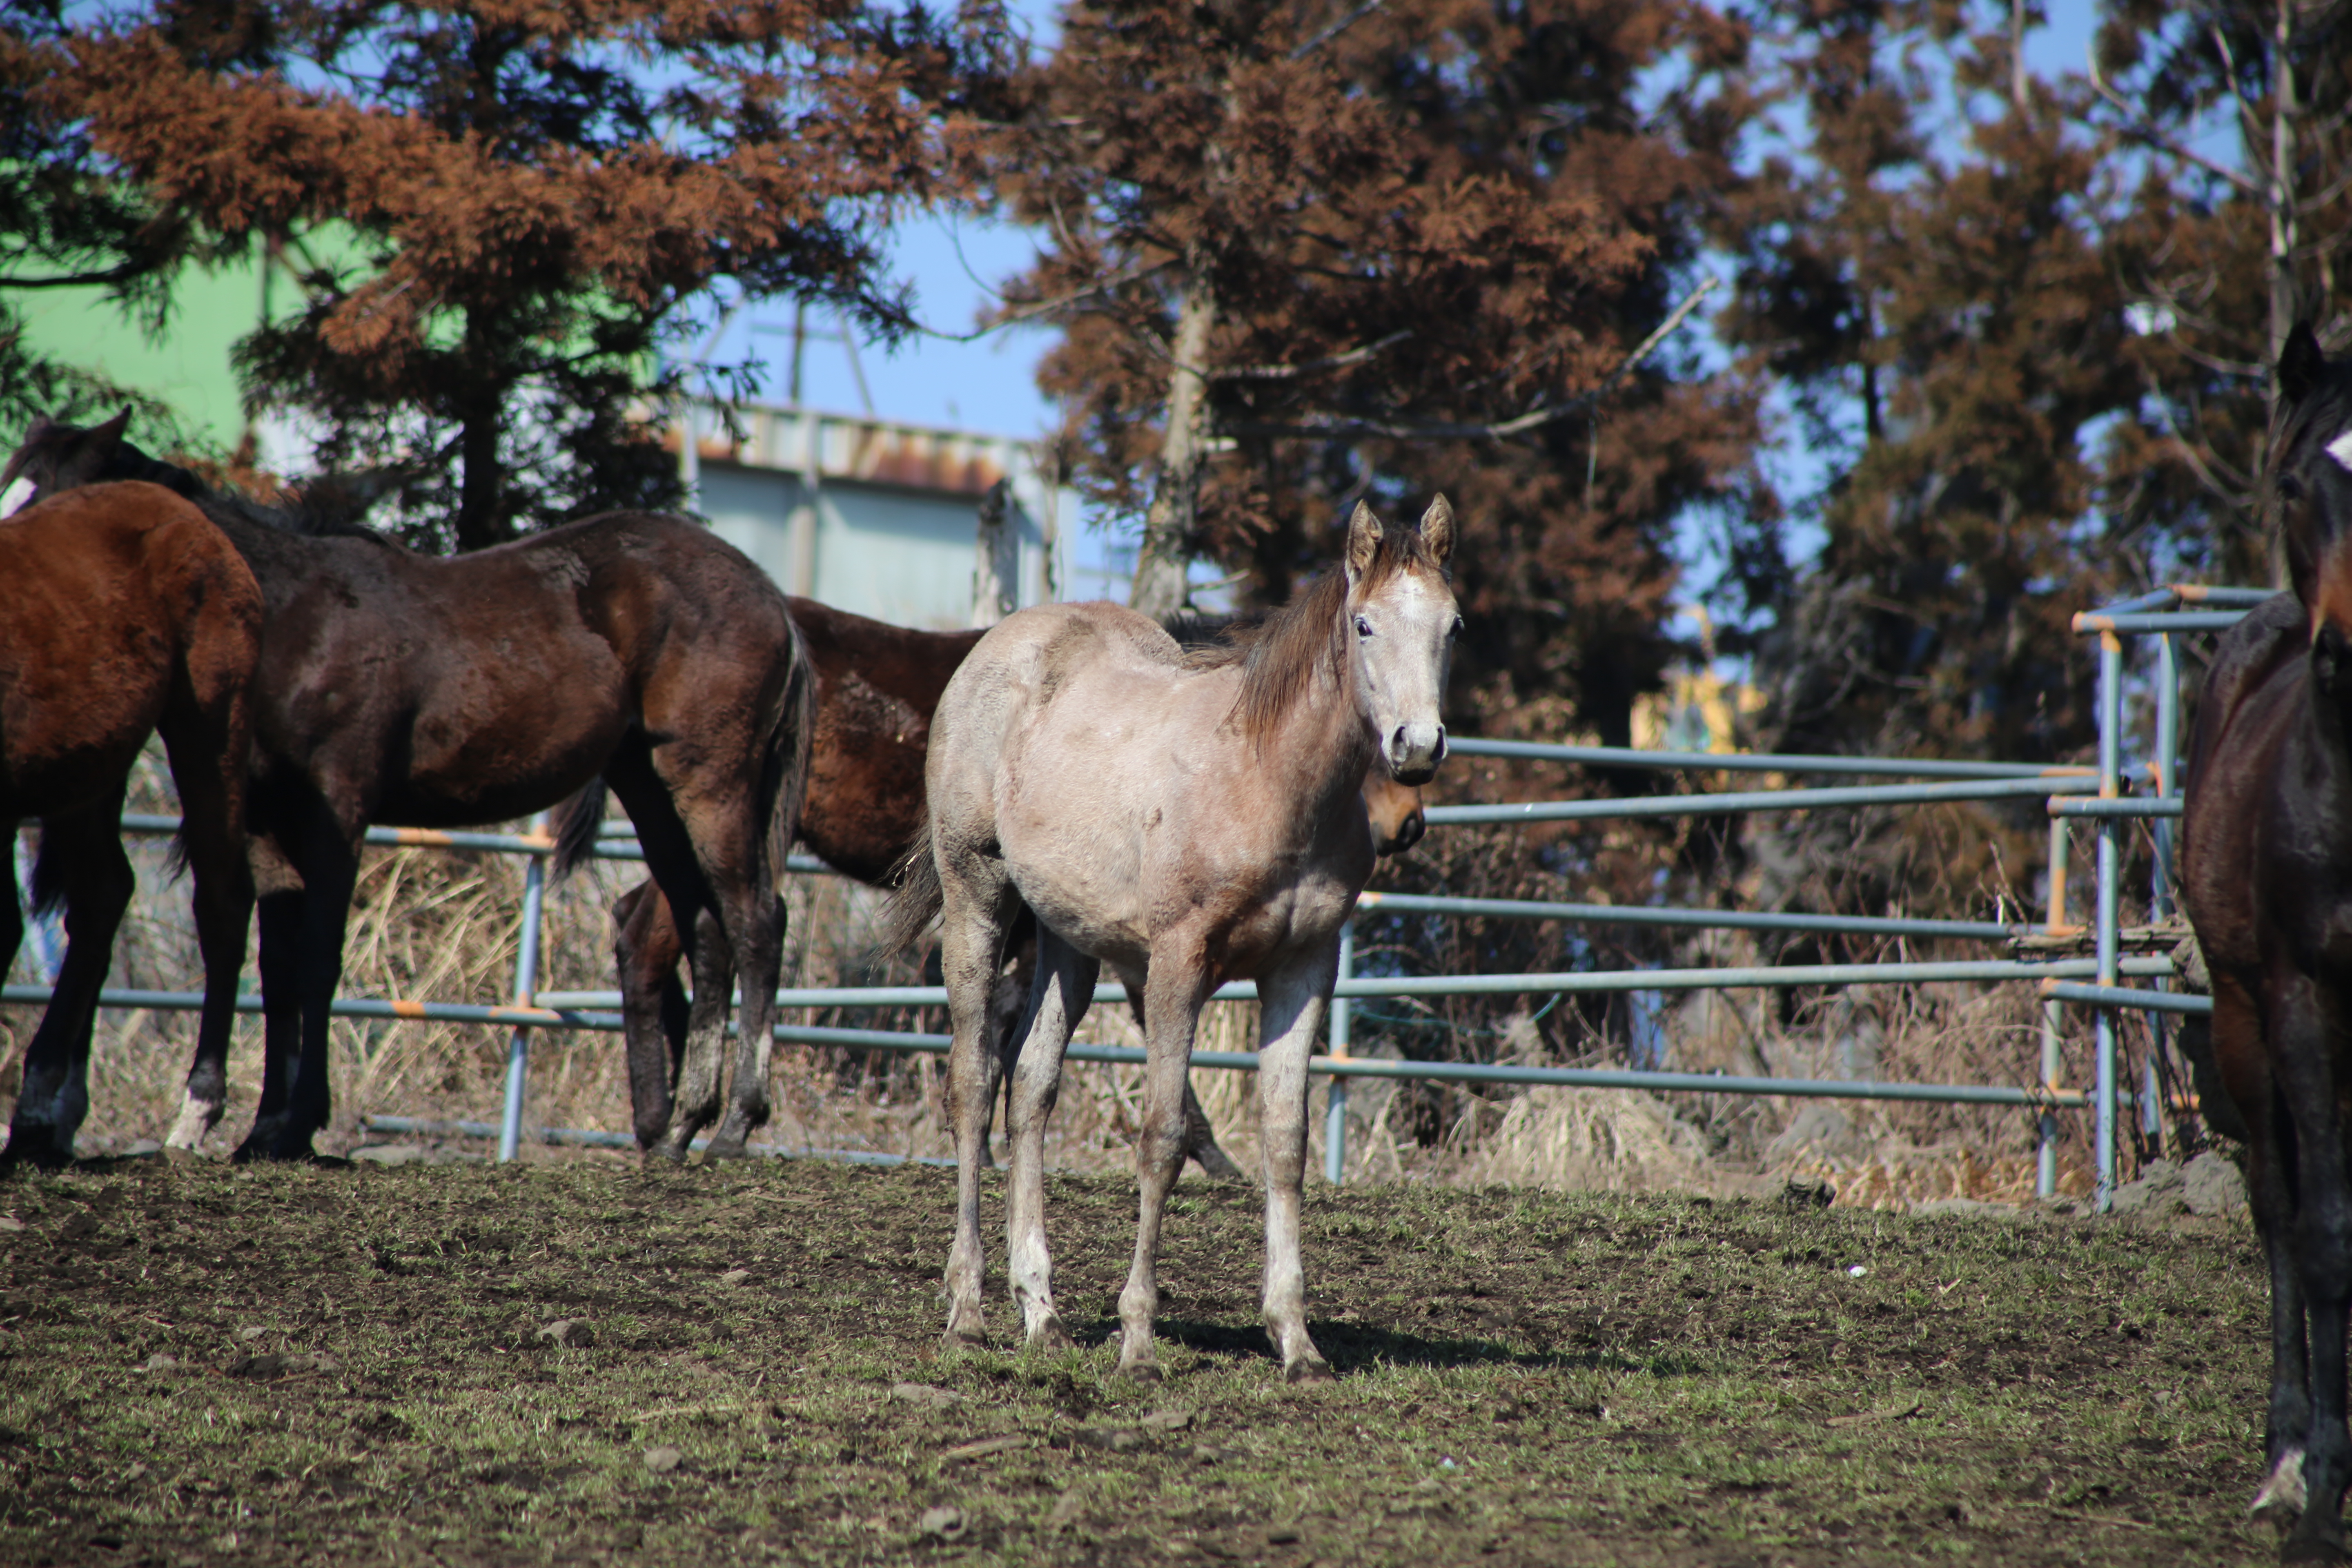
(2266, 866)
(124, 614)
(635, 648)
(876, 687)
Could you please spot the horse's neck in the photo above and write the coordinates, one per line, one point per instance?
(1321, 746)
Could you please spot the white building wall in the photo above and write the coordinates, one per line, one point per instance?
(893, 526)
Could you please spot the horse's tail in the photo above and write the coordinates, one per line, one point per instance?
(916, 895)
(48, 888)
(785, 773)
(577, 823)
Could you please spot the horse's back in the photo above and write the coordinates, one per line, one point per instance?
(116, 592)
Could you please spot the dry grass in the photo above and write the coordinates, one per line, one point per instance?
(430, 924)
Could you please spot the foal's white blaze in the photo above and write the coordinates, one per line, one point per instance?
(2341, 449)
(18, 492)
(1403, 663)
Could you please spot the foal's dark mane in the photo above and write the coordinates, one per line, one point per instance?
(300, 518)
(1279, 655)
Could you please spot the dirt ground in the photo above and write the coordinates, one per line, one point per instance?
(202, 1366)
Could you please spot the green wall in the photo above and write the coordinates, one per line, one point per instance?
(187, 367)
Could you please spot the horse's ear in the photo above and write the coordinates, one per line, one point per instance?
(2301, 364)
(1437, 530)
(1364, 532)
(101, 439)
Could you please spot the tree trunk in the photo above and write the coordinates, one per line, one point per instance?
(1160, 560)
(482, 519)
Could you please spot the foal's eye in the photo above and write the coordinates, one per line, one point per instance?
(1363, 627)
(2290, 487)
(1455, 629)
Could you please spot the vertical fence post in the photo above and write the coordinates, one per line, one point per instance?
(2045, 1164)
(534, 885)
(1335, 1116)
(2111, 707)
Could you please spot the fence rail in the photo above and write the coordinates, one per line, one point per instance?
(2099, 794)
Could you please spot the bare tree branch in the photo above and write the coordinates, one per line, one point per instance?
(1532, 419)
(1042, 307)
(1336, 28)
(2140, 130)
(1331, 362)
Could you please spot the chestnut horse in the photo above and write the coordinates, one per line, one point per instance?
(125, 614)
(876, 687)
(1187, 823)
(2266, 868)
(635, 648)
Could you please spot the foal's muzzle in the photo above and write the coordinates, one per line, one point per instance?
(1414, 752)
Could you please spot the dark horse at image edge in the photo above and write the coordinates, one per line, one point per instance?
(123, 613)
(2266, 867)
(635, 647)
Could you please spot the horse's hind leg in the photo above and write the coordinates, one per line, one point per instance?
(755, 922)
(207, 736)
(1295, 996)
(1058, 997)
(978, 907)
(646, 951)
(2306, 1065)
(1174, 987)
(55, 1096)
(1200, 1132)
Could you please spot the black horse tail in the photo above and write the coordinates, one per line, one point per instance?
(576, 824)
(784, 772)
(48, 890)
(916, 896)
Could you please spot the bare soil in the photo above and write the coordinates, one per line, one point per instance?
(355, 1365)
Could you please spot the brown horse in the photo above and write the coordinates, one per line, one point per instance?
(876, 687)
(2266, 866)
(633, 650)
(1186, 825)
(126, 613)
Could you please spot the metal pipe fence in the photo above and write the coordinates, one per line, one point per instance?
(2095, 793)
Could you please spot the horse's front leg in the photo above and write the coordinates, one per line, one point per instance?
(299, 1103)
(1058, 998)
(1293, 995)
(1177, 984)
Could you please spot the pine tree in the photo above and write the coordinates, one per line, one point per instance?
(2220, 255)
(500, 215)
(1303, 253)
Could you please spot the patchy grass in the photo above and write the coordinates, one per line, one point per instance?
(1526, 1378)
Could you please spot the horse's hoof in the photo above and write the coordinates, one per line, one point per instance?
(724, 1148)
(964, 1339)
(1142, 1371)
(1308, 1370)
(34, 1146)
(1049, 1337)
